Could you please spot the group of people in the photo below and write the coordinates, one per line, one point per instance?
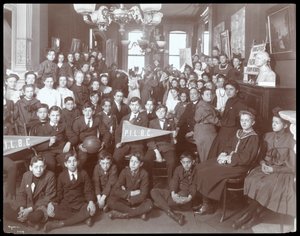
(202, 108)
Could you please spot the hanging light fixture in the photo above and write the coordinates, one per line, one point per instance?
(149, 43)
(149, 15)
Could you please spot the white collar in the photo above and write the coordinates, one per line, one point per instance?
(75, 173)
(52, 124)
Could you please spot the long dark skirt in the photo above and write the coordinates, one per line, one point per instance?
(210, 177)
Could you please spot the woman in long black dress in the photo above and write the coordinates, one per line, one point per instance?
(232, 161)
(230, 118)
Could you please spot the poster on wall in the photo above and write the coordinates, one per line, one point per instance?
(217, 31)
(238, 32)
(225, 45)
(251, 68)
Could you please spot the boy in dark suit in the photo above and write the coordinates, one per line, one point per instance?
(37, 189)
(109, 122)
(118, 108)
(163, 147)
(83, 127)
(80, 91)
(104, 177)
(58, 144)
(136, 118)
(129, 196)
(74, 202)
(181, 189)
(70, 112)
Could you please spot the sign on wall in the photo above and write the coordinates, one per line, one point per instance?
(251, 69)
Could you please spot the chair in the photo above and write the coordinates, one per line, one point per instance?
(236, 184)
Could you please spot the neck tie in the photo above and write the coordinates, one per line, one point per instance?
(89, 123)
(73, 178)
(133, 118)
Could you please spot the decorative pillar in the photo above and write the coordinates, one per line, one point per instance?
(23, 38)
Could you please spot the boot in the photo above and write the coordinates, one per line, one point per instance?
(118, 215)
(89, 222)
(33, 225)
(178, 217)
(241, 221)
(50, 225)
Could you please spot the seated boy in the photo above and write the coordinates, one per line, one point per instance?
(41, 119)
(129, 196)
(69, 113)
(181, 189)
(104, 177)
(37, 189)
(25, 110)
(74, 202)
(109, 122)
(162, 147)
(11, 88)
(83, 127)
(136, 118)
(47, 67)
(58, 144)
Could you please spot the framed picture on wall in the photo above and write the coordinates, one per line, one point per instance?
(281, 30)
(225, 43)
(75, 45)
(55, 44)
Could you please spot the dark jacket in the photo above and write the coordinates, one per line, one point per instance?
(139, 181)
(103, 182)
(74, 195)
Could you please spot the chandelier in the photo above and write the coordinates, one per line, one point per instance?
(149, 15)
(149, 43)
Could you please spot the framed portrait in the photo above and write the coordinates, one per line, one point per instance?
(282, 28)
(225, 43)
(55, 44)
(75, 45)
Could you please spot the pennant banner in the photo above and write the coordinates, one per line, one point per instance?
(132, 132)
(15, 143)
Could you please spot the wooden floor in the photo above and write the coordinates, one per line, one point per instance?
(159, 222)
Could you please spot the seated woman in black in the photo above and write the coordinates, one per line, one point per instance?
(232, 161)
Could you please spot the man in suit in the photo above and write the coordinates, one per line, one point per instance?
(119, 108)
(136, 118)
(186, 123)
(163, 147)
(37, 189)
(75, 198)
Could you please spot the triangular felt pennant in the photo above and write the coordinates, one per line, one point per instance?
(15, 143)
(132, 132)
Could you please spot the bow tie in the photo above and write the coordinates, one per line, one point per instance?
(162, 120)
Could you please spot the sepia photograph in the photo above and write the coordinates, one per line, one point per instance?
(145, 118)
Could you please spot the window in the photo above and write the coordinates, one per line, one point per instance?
(177, 40)
(206, 42)
(135, 56)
